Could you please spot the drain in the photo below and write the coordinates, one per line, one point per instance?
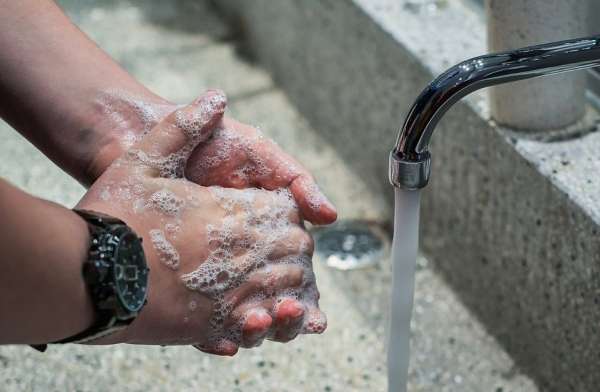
(350, 244)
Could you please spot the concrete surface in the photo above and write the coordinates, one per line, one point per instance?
(509, 220)
(541, 104)
(178, 49)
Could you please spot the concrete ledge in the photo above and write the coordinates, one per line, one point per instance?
(511, 223)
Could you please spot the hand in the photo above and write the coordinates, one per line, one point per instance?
(75, 114)
(235, 156)
(239, 156)
(229, 267)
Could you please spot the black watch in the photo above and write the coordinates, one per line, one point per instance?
(116, 276)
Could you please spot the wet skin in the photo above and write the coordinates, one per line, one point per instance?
(273, 316)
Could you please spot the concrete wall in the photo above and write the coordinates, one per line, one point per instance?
(511, 223)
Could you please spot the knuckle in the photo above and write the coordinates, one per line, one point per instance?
(300, 241)
(294, 216)
(296, 275)
(306, 243)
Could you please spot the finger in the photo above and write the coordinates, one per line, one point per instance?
(257, 323)
(289, 319)
(297, 242)
(222, 347)
(315, 321)
(268, 206)
(227, 263)
(220, 161)
(251, 321)
(259, 319)
(166, 148)
(284, 325)
(266, 281)
(241, 158)
(313, 203)
(280, 170)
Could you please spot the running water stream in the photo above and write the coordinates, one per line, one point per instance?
(404, 258)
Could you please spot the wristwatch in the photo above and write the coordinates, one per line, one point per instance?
(116, 276)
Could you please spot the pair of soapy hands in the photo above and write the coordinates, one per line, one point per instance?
(221, 210)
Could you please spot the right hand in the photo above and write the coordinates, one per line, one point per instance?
(228, 267)
(235, 156)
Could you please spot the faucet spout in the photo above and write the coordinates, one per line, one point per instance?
(410, 160)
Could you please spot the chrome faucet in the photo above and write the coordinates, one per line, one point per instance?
(410, 160)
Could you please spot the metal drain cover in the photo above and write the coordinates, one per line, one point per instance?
(350, 244)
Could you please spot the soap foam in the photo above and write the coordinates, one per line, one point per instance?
(166, 201)
(234, 251)
(233, 255)
(314, 196)
(228, 142)
(105, 194)
(194, 124)
(167, 252)
(127, 112)
(173, 229)
(170, 166)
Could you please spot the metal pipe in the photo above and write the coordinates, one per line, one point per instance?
(537, 105)
(410, 161)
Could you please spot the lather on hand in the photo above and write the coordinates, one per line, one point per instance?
(229, 267)
(235, 155)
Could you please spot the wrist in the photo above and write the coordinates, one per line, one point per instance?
(116, 277)
(116, 119)
(44, 297)
(51, 76)
(80, 302)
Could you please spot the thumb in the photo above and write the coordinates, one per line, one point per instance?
(166, 148)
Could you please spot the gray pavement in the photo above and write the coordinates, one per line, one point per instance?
(179, 49)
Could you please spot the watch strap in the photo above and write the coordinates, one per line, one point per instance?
(106, 321)
(104, 325)
(98, 330)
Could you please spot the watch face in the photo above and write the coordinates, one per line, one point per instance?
(131, 273)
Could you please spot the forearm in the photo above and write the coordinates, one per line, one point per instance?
(43, 297)
(51, 76)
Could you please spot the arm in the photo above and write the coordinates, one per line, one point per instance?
(59, 93)
(266, 293)
(42, 295)
(51, 77)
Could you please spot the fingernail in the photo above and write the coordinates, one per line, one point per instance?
(291, 308)
(316, 323)
(227, 348)
(297, 310)
(213, 99)
(261, 317)
(255, 338)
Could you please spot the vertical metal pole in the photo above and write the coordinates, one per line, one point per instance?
(540, 104)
